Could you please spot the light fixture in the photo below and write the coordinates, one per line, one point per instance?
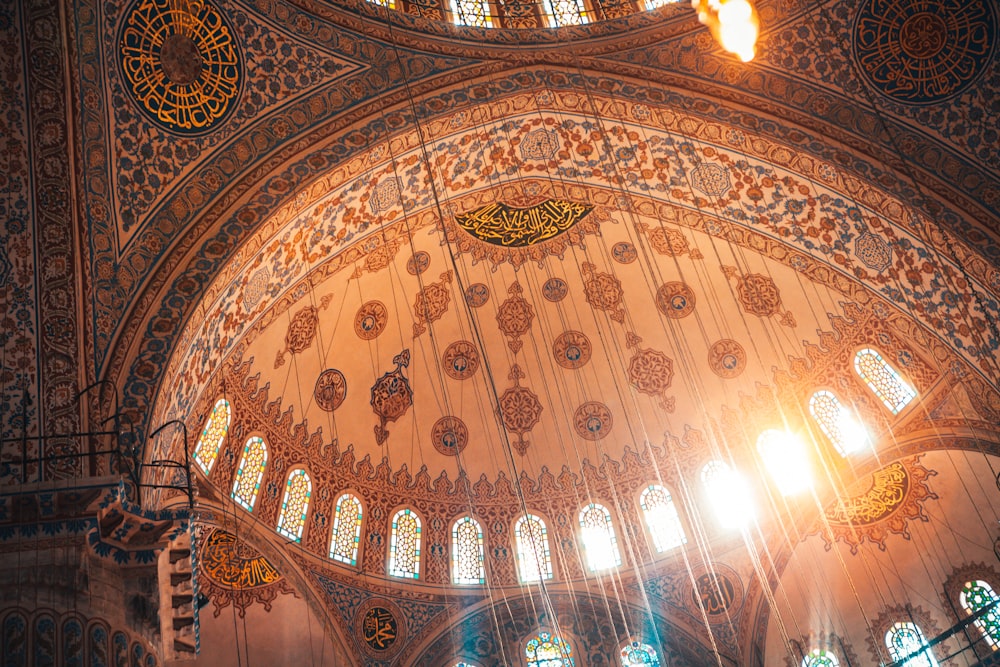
(733, 23)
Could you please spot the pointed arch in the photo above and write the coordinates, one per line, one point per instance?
(599, 541)
(250, 472)
(216, 428)
(548, 650)
(467, 552)
(638, 654)
(295, 505)
(975, 596)
(838, 423)
(404, 545)
(662, 519)
(534, 561)
(346, 536)
(905, 639)
(785, 459)
(883, 380)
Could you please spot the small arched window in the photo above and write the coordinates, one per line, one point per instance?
(728, 493)
(904, 639)
(548, 650)
(391, 4)
(346, 529)
(786, 461)
(404, 546)
(638, 654)
(837, 423)
(207, 449)
(566, 12)
(250, 473)
(820, 658)
(292, 519)
(472, 12)
(467, 552)
(533, 558)
(883, 380)
(599, 540)
(662, 520)
(976, 596)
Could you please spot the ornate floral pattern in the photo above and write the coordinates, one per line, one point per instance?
(449, 435)
(571, 349)
(431, 303)
(759, 295)
(477, 294)
(603, 292)
(668, 241)
(460, 360)
(555, 289)
(514, 317)
(330, 390)
(675, 299)
(592, 420)
(651, 372)
(727, 358)
(391, 396)
(520, 410)
(370, 320)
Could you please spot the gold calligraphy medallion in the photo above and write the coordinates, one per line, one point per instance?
(883, 497)
(510, 227)
(180, 63)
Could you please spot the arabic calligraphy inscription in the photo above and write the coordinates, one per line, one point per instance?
(510, 227)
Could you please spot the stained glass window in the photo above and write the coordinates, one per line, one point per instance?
(211, 438)
(975, 596)
(820, 658)
(533, 558)
(566, 12)
(662, 519)
(728, 494)
(599, 541)
(391, 4)
(884, 382)
(472, 12)
(295, 505)
(548, 650)
(250, 473)
(404, 547)
(785, 458)
(346, 530)
(905, 639)
(467, 552)
(636, 654)
(837, 423)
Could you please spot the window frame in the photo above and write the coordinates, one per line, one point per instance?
(517, 552)
(589, 569)
(389, 551)
(267, 468)
(361, 529)
(645, 523)
(222, 441)
(871, 391)
(466, 518)
(309, 505)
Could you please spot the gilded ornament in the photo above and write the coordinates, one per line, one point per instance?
(181, 63)
(510, 227)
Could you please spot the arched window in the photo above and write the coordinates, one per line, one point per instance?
(533, 558)
(728, 493)
(295, 505)
(391, 4)
(346, 530)
(837, 423)
(467, 552)
(636, 654)
(905, 639)
(820, 658)
(975, 596)
(599, 541)
(883, 380)
(250, 473)
(786, 461)
(211, 438)
(404, 547)
(661, 518)
(472, 12)
(566, 12)
(548, 650)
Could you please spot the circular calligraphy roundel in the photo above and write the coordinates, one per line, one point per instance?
(379, 628)
(718, 591)
(181, 63)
